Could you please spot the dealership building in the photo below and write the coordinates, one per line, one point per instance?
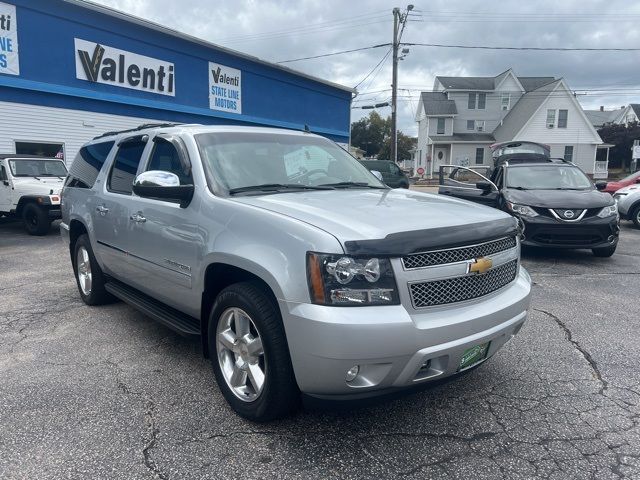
(71, 70)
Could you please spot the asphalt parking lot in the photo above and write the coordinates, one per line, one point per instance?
(107, 393)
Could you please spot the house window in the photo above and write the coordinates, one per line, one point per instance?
(551, 118)
(479, 156)
(472, 101)
(505, 101)
(480, 125)
(440, 129)
(482, 100)
(562, 118)
(471, 124)
(568, 153)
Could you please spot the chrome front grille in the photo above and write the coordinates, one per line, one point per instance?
(442, 257)
(458, 289)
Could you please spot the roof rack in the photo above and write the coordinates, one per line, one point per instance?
(138, 128)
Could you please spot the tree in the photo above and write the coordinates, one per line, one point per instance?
(370, 133)
(622, 137)
(405, 145)
(373, 135)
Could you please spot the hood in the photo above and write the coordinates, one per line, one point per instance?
(613, 186)
(630, 189)
(352, 215)
(559, 198)
(33, 186)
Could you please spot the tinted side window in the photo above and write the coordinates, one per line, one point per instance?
(165, 157)
(87, 165)
(125, 167)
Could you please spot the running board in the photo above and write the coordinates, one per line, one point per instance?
(183, 324)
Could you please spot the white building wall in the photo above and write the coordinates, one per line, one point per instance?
(578, 132)
(34, 123)
(463, 152)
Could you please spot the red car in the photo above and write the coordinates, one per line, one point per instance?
(625, 182)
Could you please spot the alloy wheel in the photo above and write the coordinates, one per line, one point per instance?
(241, 354)
(83, 266)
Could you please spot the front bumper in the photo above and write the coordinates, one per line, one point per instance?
(592, 232)
(393, 348)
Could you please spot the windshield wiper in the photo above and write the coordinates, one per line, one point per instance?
(519, 188)
(275, 187)
(351, 185)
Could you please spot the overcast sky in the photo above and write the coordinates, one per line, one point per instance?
(277, 30)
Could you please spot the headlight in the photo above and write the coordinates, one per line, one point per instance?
(523, 210)
(343, 280)
(608, 211)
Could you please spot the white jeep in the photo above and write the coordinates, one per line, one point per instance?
(30, 190)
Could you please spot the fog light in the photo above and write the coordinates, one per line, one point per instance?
(352, 373)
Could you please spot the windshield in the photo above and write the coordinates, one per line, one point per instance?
(37, 168)
(241, 162)
(520, 147)
(547, 177)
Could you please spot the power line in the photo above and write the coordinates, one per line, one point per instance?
(386, 55)
(335, 53)
(306, 27)
(543, 49)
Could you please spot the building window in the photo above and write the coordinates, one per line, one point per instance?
(440, 126)
(562, 118)
(472, 101)
(471, 124)
(505, 101)
(479, 156)
(480, 125)
(42, 149)
(551, 118)
(482, 100)
(568, 153)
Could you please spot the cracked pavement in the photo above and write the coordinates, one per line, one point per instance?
(107, 393)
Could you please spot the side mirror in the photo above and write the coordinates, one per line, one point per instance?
(163, 185)
(601, 185)
(377, 174)
(484, 186)
(6, 182)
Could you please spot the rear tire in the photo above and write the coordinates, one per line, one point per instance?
(35, 219)
(89, 276)
(604, 251)
(258, 384)
(635, 216)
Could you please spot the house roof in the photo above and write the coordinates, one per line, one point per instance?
(522, 111)
(599, 118)
(533, 83)
(436, 103)
(490, 83)
(636, 108)
(463, 137)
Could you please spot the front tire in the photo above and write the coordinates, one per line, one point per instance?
(604, 252)
(635, 216)
(89, 276)
(249, 354)
(35, 219)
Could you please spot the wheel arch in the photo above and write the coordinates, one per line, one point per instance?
(76, 228)
(218, 276)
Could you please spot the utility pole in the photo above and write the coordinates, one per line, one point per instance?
(398, 19)
(394, 88)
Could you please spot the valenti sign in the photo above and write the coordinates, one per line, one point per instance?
(110, 66)
(9, 62)
(225, 88)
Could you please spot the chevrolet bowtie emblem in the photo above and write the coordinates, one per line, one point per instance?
(480, 265)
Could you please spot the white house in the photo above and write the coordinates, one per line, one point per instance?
(463, 116)
(622, 116)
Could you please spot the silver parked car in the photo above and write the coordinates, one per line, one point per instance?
(298, 269)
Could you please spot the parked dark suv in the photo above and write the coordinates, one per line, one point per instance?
(556, 203)
(391, 173)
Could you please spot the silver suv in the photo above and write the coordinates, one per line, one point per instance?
(298, 269)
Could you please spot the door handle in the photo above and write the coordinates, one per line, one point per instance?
(138, 218)
(102, 210)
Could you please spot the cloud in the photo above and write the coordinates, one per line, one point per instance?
(279, 30)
